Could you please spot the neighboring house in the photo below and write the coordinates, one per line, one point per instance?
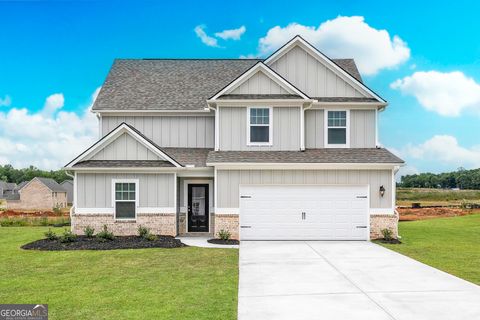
(40, 194)
(7, 189)
(281, 148)
(68, 185)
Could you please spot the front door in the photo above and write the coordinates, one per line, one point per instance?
(198, 208)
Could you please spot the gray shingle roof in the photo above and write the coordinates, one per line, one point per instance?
(123, 164)
(174, 84)
(189, 156)
(21, 185)
(327, 155)
(52, 184)
(350, 67)
(166, 84)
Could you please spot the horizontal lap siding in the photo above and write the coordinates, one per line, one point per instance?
(94, 190)
(169, 131)
(229, 181)
(233, 129)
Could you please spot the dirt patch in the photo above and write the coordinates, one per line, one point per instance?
(226, 242)
(410, 214)
(84, 243)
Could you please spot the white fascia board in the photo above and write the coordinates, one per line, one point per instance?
(297, 40)
(109, 138)
(269, 72)
(260, 102)
(302, 166)
(181, 172)
(349, 105)
(227, 211)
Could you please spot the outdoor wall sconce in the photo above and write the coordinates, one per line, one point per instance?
(382, 190)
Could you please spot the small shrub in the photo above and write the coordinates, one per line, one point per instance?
(50, 235)
(105, 234)
(224, 234)
(387, 234)
(88, 231)
(151, 237)
(68, 236)
(57, 210)
(143, 232)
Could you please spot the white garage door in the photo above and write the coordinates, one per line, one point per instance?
(293, 212)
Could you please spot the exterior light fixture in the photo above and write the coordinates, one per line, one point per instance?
(382, 190)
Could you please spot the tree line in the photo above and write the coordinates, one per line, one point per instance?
(10, 174)
(463, 179)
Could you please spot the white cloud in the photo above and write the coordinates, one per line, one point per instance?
(344, 37)
(5, 102)
(52, 104)
(233, 34)
(446, 150)
(405, 171)
(47, 140)
(446, 93)
(206, 39)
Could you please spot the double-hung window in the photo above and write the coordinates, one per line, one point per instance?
(259, 126)
(337, 129)
(125, 198)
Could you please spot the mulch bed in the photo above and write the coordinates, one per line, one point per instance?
(84, 243)
(32, 214)
(226, 242)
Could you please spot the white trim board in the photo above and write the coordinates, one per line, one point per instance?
(301, 166)
(211, 196)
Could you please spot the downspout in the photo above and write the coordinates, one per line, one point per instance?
(302, 125)
(217, 122)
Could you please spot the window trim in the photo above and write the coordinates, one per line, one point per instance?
(137, 201)
(270, 127)
(326, 127)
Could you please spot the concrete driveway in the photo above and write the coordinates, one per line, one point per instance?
(346, 280)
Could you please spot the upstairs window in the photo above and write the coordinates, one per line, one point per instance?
(125, 200)
(259, 126)
(337, 129)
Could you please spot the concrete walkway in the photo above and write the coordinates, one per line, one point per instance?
(202, 242)
(346, 280)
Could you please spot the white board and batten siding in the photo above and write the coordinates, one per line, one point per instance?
(125, 147)
(259, 83)
(362, 128)
(304, 212)
(311, 76)
(169, 131)
(233, 129)
(94, 190)
(229, 181)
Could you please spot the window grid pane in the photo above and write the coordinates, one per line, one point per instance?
(124, 191)
(259, 116)
(337, 118)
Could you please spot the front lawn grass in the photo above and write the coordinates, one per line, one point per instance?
(182, 283)
(449, 244)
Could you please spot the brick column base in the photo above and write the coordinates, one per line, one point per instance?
(158, 223)
(378, 222)
(228, 222)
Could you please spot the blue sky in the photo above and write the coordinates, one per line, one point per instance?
(62, 50)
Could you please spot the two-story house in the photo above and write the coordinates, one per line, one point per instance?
(281, 148)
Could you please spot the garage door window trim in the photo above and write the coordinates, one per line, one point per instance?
(337, 128)
(259, 126)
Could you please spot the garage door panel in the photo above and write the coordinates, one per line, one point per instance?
(331, 212)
